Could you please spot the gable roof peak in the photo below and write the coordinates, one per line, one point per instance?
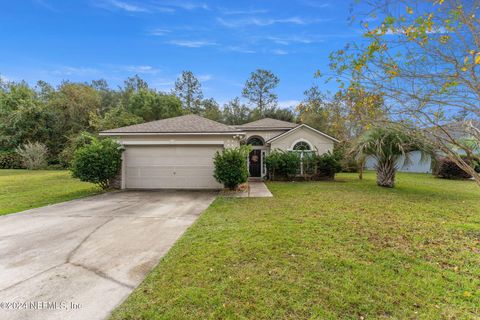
(268, 123)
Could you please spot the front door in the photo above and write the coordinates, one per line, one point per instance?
(255, 161)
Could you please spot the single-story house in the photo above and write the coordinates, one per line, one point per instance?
(459, 130)
(417, 163)
(177, 153)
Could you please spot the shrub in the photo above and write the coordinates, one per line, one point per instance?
(308, 163)
(56, 166)
(447, 169)
(80, 140)
(97, 162)
(327, 165)
(231, 167)
(477, 166)
(33, 155)
(282, 164)
(10, 160)
(348, 160)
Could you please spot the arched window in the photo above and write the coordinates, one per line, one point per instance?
(255, 141)
(301, 146)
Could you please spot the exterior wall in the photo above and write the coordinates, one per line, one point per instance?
(116, 182)
(265, 134)
(317, 141)
(226, 140)
(416, 164)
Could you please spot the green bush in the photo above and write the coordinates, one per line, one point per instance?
(78, 141)
(97, 162)
(347, 160)
(10, 160)
(231, 166)
(308, 163)
(282, 164)
(327, 165)
(476, 164)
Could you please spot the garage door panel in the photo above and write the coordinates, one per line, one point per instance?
(193, 151)
(194, 171)
(149, 171)
(173, 167)
(158, 160)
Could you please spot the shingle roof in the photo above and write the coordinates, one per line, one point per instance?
(268, 123)
(184, 124)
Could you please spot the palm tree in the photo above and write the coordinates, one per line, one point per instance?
(386, 146)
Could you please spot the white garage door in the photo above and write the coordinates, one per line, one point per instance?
(170, 167)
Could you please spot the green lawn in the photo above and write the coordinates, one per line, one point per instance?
(25, 189)
(325, 250)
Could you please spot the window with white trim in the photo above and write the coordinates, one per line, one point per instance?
(302, 146)
(304, 149)
(255, 141)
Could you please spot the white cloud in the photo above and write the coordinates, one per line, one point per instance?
(205, 77)
(158, 32)
(226, 11)
(192, 43)
(163, 83)
(239, 49)
(141, 69)
(5, 79)
(46, 5)
(288, 103)
(131, 7)
(186, 5)
(128, 6)
(316, 4)
(78, 71)
(286, 40)
(261, 22)
(279, 52)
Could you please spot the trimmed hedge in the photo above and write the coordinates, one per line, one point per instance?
(231, 166)
(282, 164)
(327, 165)
(287, 165)
(97, 162)
(10, 160)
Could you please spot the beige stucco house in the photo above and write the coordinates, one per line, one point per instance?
(177, 153)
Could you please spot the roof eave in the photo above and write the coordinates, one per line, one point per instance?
(265, 128)
(106, 133)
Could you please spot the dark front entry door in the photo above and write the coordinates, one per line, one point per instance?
(255, 160)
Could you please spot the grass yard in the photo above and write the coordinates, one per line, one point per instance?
(325, 250)
(25, 189)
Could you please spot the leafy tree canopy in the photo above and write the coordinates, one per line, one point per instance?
(259, 90)
(189, 90)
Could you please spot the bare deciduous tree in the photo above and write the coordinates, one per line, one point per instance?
(424, 58)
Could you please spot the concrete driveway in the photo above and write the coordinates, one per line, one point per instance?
(80, 259)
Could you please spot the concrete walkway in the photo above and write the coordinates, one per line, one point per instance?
(80, 259)
(257, 189)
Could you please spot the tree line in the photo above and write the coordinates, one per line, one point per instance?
(59, 117)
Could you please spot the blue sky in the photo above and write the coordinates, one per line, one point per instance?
(220, 41)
